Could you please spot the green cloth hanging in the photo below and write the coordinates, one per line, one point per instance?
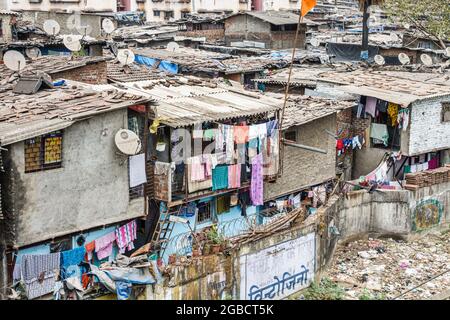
(220, 178)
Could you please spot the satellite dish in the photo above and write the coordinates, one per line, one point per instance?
(315, 42)
(379, 60)
(72, 42)
(108, 26)
(14, 60)
(394, 37)
(127, 142)
(172, 46)
(426, 60)
(33, 52)
(84, 30)
(125, 56)
(51, 27)
(447, 52)
(404, 58)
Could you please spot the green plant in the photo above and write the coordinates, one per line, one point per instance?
(367, 295)
(214, 236)
(324, 290)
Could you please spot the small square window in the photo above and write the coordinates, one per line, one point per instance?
(204, 212)
(43, 152)
(156, 13)
(291, 136)
(445, 115)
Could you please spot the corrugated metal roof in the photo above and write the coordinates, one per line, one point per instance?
(26, 116)
(275, 17)
(390, 86)
(184, 105)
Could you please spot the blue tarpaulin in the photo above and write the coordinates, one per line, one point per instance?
(163, 65)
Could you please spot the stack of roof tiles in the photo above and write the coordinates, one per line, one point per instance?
(428, 178)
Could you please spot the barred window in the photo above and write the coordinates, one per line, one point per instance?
(43, 152)
(445, 117)
(204, 212)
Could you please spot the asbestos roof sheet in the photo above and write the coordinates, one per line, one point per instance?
(275, 17)
(305, 109)
(390, 86)
(26, 116)
(132, 73)
(187, 104)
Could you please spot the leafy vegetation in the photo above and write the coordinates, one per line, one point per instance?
(325, 290)
(367, 295)
(429, 17)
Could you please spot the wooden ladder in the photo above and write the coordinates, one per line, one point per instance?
(164, 228)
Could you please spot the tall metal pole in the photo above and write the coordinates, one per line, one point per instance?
(365, 36)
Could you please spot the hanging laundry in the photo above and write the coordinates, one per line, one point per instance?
(271, 127)
(403, 118)
(196, 168)
(234, 176)
(371, 106)
(104, 245)
(257, 182)
(382, 105)
(39, 272)
(240, 134)
(340, 146)
(197, 133)
(393, 113)
(220, 178)
(125, 235)
(71, 258)
(220, 138)
(244, 201)
(379, 131)
(209, 134)
(360, 110)
(207, 162)
(407, 169)
(229, 142)
(356, 143)
(240, 153)
(90, 248)
(138, 175)
(252, 132)
(433, 163)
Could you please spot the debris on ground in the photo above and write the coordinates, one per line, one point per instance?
(384, 269)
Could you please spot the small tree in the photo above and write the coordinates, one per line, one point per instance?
(430, 17)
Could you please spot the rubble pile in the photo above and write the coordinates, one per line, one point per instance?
(389, 268)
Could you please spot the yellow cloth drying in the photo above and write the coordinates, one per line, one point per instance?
(392, 111)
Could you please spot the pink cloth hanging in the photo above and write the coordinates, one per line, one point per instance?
(104, 245)
(234, 176)
(125, 235)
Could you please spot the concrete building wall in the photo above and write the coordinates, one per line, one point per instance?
(393, 213)
(4, 5)
(427, 132)
(303, 168)
(190, 6)
(280, 5)
(5, 28)
(74, 5)
(90, 190)
(66, 21)
(244, 27)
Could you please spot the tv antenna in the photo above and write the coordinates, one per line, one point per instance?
(14, 60)
(404, 58)
(125, 56)
(51, 27)
(379, 60)
(172, 46)
(33, 52)
(72, 42)
(426, 60)
(108, 26)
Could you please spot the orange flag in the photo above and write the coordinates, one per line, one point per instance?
(307, 6)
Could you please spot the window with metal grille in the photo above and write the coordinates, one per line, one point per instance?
(291, 136)
(44, 152)
(204, 212)
(445, 112)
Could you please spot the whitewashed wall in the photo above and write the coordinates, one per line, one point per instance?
(278, 271)
(76, 5)
(427, 132)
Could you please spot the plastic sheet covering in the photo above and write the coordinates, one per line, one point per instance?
(131, 275)
(349, 51)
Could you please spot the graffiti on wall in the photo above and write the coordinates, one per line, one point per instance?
(427, 214)
(278, 271)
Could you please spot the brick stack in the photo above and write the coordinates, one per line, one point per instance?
(428, 178)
